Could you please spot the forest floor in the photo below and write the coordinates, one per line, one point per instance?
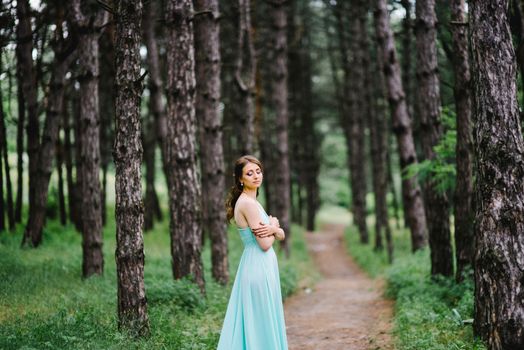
(346, 309)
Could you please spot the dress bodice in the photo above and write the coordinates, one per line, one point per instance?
(247, 236)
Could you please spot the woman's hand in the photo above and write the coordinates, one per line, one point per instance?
(265, 230)
(273, 221)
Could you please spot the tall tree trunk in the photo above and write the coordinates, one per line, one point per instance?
(351, 120)
(436, 204)
(129, 254)
(63, 58)
(407, 32)
(88, 26)
(7, 172)
(378, 138)
(19, 146)
(391, 181)
(412, 198)
(180, 146)
(310, 162)
(2, 201)
(245, 68)
(59, 162)
(229, 33)
(68, 149)
(156, 113)
(32, 236)
(279, 101)
(357, 127)
(106, 93)
(499, 248)
(78, 160)
(464, 189)
(207, 66)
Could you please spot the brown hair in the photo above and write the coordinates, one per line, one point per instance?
(237, 188)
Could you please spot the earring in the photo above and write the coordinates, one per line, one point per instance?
(242, 184)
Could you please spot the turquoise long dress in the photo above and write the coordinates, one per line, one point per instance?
(255, 315)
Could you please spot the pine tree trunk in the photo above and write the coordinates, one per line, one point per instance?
(207, 66)
(229, 31)
(59, 168)
(180, 147)
(68, 159)
(412, 198)
(7, 172)
(245, 67)
(407, 33)
(310, 158)
(107, 107)
(78, 161)
(436, 204)
(357, 128)
(129, 254)
(464, 188)
(155, 113)
(279, 101)
(87, 27)
(499, 227)
(27, 80)
(19, 146)
(377, 136)
(351, 120)
(46, 154)
(2, 201)
(391, 181)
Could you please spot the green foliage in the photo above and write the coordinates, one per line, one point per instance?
(333, 179)
(442, 168)
(430, 314)
(45, 304)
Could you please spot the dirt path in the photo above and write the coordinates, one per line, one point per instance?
(345, 310)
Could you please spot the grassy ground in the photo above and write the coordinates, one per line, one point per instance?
(45, 304)
(429, 314)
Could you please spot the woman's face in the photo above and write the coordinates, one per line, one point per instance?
(251, 176)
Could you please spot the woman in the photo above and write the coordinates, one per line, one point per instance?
(255, 316)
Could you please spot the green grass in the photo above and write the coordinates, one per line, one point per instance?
(429, 314)
(45, 304)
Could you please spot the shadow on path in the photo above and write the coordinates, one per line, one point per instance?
(345, 310)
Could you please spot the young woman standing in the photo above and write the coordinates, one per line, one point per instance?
(255, 316)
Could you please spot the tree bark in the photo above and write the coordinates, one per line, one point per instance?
(7, 172)
(499, 227)
(129, 254)
(19, 143)
(59, 168)
(436, 204)
(151, 135)
(376, 111)
(207, 66)
(180, 147)
(464, 236)
(412, 199)
(68, 159)
(88, 26)
(64, 55)
(279, 101)
(407, 32)
(245, 68)
(310, 141)
(32, 236)
(351, 120)
(106, 92)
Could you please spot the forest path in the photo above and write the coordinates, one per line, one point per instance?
(345, 309)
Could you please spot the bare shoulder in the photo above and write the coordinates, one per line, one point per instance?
(245, 203)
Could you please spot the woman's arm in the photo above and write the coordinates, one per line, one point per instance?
(251, 213)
